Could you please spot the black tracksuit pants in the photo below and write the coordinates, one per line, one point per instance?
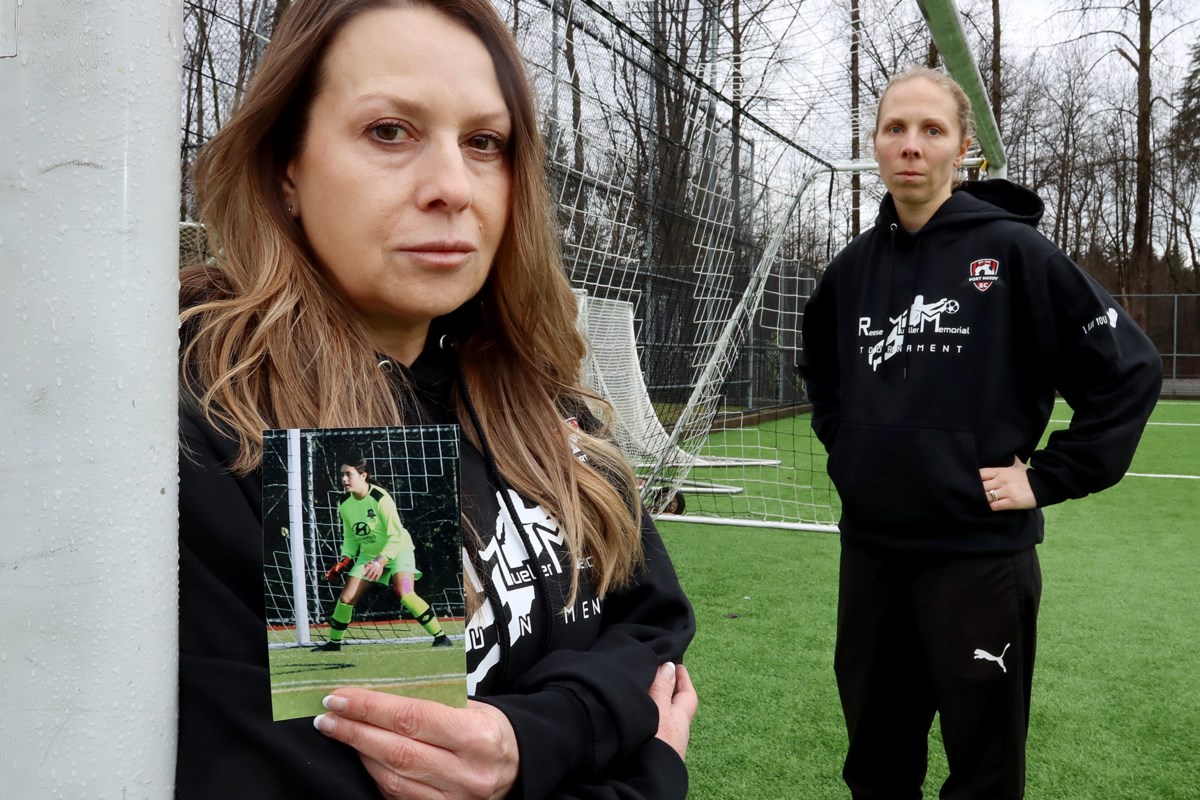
(920, 633)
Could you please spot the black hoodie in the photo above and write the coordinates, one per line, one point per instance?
(573, 682)
(930, 355)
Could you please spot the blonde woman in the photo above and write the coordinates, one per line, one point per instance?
(933, 349)
(385, 256)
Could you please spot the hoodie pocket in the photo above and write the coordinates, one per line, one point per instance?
(907, 475)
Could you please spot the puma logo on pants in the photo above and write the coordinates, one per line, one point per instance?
(980, 653)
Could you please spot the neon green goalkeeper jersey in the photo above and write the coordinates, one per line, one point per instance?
(371, 527)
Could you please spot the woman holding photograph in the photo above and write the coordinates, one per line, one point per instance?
(376, 547)
(385, 255)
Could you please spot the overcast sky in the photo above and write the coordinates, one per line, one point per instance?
(1029, 24)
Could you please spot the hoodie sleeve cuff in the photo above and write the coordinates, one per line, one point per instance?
(654, 772)
(552, 728)
(1045, 491)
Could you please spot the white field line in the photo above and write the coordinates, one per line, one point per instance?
(1058, 401)
(291, 644)
(1166, 424)
(449, 676)
(1152, 474)
(1155, 475)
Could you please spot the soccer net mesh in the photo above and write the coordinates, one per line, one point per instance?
(690, 258)
(418, 467)
(680, 141)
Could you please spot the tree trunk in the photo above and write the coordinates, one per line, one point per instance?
(735, 126)
(576, 91)
(1143, 159)
(856, 122)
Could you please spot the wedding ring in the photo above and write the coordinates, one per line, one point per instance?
(992, 494)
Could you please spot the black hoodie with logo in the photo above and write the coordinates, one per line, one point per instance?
(931, 355)
(572, 681)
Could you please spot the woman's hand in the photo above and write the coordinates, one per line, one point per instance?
(422, 750)
(1007, 488)
(676, 698)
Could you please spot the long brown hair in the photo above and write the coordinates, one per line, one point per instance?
(270, 343)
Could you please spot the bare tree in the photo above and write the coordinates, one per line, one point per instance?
(996, 93)
(223, 40)
(894, 37)
(1064, 138)
(1128, 27)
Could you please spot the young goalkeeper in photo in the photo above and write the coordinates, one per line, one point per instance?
(376, 547)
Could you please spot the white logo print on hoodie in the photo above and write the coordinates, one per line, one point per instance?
(911, 321)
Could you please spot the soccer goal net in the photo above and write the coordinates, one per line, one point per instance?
(418, 468)
(690, 254)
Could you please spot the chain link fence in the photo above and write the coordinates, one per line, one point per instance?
(1173, 323)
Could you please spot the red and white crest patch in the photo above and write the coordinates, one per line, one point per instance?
(984, 273)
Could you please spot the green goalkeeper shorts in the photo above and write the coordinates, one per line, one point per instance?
(405, 562)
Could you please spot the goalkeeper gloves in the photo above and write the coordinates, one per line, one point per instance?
(339, 568)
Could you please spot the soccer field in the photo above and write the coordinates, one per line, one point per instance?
(1116, 698)
(300, 677)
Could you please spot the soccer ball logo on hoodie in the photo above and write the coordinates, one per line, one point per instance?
(984, 273)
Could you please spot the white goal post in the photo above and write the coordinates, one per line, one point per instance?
(89, 196)
(612, 369)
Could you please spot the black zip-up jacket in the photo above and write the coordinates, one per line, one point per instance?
(575, 691)
(930, 355)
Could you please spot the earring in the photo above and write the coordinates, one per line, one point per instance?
(289, 206)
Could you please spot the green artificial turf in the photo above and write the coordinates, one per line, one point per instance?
(300, 677)
(1116, 698)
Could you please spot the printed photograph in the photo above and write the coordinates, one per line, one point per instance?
(363, 564)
